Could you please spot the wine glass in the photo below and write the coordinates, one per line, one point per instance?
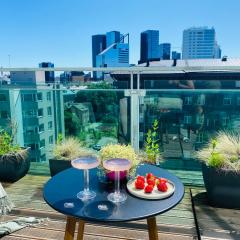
(117, 165)
(85, 163)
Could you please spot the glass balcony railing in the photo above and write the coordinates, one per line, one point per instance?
(121, 111)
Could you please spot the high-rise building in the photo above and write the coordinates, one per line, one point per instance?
(200, 43)
(176, 55)
(115, 55)
(49, 75)
(149, 46)
(112, 37)
(165, 51)
(37, 114)
(98, 45)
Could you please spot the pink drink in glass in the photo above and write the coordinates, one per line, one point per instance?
(85, 163)
(117, 165)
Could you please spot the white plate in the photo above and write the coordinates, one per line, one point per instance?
(155, 193)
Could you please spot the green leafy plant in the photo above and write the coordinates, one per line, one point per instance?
(216, 159)
(120, 151)
(10, 151)
(6, 144)
(222, 152)
(151, 145)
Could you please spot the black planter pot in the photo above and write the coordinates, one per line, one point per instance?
(13, 169)
(57, 166)
(223, 187)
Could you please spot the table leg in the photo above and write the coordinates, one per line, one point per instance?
(80, 230)
(70, 228)
(152, 228)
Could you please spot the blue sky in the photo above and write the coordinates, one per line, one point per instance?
(60, 30)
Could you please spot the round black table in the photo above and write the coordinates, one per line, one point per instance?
(61, 190)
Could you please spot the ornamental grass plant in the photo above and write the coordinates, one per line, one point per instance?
(69, 149)
(222, 152)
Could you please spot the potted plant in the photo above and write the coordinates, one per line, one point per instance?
(152, 153)
(221, 170)
(14, 161)
(65, 151)
(119, 151)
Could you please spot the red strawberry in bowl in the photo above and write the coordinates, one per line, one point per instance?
(150, 175)
(148, 189)
(162, 187)
(151, 181)
(141, 178)
(139, 184)
(164, 180)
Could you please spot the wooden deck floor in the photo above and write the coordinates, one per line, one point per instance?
(178, 223)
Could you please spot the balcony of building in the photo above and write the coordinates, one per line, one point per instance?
(191, 104)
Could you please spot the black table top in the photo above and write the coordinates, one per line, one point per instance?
(63, 188)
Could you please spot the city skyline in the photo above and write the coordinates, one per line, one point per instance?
(39, 32)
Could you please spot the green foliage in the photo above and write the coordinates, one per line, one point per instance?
(6, 144)
(222, 152)
(216, 159)
(152, 146)
(70, 123)
(104, 101)
(59, 138)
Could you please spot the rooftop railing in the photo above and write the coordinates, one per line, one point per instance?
(189, 111)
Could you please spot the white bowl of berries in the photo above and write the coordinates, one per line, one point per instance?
(150, 187)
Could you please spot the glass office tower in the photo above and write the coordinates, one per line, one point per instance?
(149, 46)
(200, 43)
(165, 51)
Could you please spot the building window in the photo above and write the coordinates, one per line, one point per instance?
(227, 101)
(50, 139)
(49, 111)
(225, 121)
(49, 97)
(33, 146)
(42, 143)
(29, 132)
(3, 98)
(40, 112)
(201, 100)
(238, 101)
(41, 128)
(199, 119)
(29, 97)
(29, 113)
(200, 138)
(50, 125)
(4, 114)
(188, 100)
(39, 96)
(187, 119)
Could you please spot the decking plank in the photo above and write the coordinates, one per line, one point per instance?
(177, 223)
(215, 223)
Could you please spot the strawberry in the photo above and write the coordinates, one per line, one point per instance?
(139, 184)
(148, 189)
(162, 187)
(161, 180)
(149, 175)
(151, 181)
(142, 178)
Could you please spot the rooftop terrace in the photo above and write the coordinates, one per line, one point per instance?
(98, 114)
